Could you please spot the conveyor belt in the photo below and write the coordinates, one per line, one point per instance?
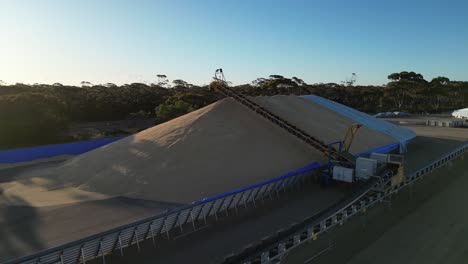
(317, 144)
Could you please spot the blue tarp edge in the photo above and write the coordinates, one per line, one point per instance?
(48, 151)
(383, 149)
(309, 167)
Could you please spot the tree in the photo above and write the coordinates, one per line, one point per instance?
(403, 88)
(180, 83)
(109, 85)
(437, 91)
(162, 80)
(167, 111)
(276, 77)
(30, 118)
(408, 76)
(259, 82)
(350, 81)
(298, 81)
(440, 81)
(278, 84)
(86, 84)
(394, 77)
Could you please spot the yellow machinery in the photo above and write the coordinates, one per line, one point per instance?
(399, 176)
(349, 137)
(392, 169)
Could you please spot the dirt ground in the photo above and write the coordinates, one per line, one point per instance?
(441, 132)
(421, 120)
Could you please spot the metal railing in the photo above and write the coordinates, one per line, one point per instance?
(102, 244)
(273, 248)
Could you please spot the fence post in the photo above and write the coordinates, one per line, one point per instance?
(136, 237)
(83, 258)
(102, 253)
(167, 229)
(152, 235)
(193, 220)
(120, 245)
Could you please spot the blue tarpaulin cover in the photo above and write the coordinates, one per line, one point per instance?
(42, 152)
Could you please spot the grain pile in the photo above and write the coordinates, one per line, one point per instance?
(218, 148)
(209, 151)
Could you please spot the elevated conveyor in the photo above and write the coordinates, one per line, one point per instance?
(221, 86)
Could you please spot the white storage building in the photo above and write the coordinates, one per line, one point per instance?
(461, 113)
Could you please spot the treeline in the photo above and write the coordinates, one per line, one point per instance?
(40, 114)
(405, 91)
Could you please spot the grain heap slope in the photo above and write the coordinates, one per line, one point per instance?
(213, 150)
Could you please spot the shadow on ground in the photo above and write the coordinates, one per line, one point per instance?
(18, 230)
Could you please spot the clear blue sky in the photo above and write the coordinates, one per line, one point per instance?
(319, 41)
